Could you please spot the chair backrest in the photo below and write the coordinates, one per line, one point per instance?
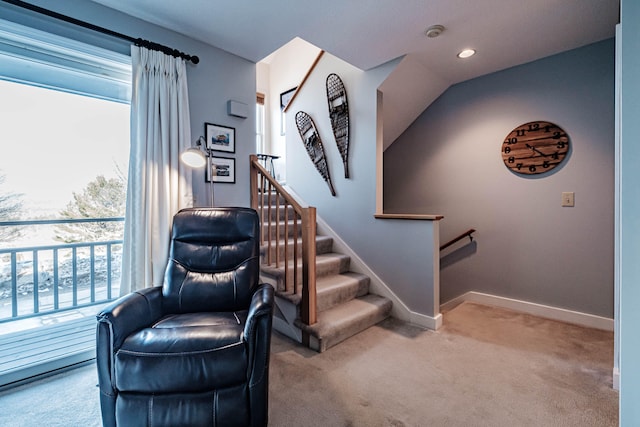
(214, 260)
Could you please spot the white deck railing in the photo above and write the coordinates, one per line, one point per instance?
(38, 280)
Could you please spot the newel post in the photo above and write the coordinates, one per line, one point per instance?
(253, 181)
(308, 309)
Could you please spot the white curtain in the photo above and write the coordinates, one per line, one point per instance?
(158, 185)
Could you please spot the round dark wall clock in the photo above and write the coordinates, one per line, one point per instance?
(535, 148)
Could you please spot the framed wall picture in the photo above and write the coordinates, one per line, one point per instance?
(220, 138)
(223, 169)
(285, 97)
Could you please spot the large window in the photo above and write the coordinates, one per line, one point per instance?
(64, 147)
(260, 124)
(62, 155)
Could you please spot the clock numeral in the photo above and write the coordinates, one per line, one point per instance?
(519, 166)
(556, 135)
(507, 150)
(532, 168)
(519, 132)
(511, 159)
(511, 141)
(534, 127)
(554, 156)
(546, 164)
(560, 144)
(547, 128)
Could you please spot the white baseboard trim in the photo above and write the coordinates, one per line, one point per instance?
(433, 323)
(549, 312)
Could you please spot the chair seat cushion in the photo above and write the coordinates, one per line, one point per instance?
(190, 352)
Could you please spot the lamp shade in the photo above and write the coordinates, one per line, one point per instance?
(193, 157)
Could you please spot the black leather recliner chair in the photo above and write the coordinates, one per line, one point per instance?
(195, 351)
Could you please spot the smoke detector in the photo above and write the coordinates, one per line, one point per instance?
(434, 31)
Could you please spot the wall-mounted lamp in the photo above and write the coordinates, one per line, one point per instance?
(197, 157)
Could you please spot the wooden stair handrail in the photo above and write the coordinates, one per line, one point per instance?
(304, 79)
(263, 185)
(468, 233)
(255, 164)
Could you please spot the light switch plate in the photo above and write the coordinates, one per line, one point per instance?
(568, 199)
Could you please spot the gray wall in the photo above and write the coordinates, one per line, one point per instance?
(218, 77)
(630, 226)
(527, 246)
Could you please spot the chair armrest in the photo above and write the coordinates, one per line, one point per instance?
(261, 305)
(115, 322)
(257, 335)
(132, 312)
(257, 329)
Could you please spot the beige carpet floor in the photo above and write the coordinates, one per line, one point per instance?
(485, 367)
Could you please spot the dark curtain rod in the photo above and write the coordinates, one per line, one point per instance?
(138, 42)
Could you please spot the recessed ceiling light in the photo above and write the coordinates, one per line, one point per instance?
(466, 53)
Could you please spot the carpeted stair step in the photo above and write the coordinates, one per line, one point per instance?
(278, 212)
(345, 320)
(270, 197)
(333, 290)
(324, 244)
(326, 265)
(340, 288)
(278, 231)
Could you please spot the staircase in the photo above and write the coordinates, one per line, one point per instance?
(339, 296)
